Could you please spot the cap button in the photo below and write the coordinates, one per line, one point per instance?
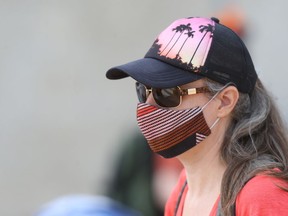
(215, 19)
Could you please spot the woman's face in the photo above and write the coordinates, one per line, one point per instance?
(217, 113)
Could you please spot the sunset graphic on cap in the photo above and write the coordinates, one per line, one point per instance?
(185, 42)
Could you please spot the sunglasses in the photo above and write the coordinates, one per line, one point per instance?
(166, 97)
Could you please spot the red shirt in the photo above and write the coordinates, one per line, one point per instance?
(259, 197)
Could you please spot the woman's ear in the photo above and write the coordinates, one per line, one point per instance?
(228, 98)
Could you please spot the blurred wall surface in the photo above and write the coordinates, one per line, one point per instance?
(61, 121)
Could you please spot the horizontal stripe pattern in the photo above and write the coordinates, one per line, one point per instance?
(164, 128)
(200, 137)
(158, 122)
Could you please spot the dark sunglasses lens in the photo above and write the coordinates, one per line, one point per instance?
(141, 92)
(169, 97)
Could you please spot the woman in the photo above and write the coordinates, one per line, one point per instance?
(202, 102)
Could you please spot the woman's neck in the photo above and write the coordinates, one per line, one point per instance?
(204, 176)
(204, 167)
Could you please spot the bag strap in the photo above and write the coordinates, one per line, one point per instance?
(180, 197)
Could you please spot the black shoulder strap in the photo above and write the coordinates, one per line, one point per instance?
(180, 197)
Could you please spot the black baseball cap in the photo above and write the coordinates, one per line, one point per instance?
(190, 49)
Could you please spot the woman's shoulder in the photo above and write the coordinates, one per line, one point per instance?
(263, 195)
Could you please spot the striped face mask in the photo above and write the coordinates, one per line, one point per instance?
(172, 132)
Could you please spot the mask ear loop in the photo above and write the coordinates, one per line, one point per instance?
(214, 96)
(217, 120)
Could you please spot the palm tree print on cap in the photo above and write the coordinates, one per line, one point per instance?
(190, 34)
(185, 43)
(202, 28)
(177, 29)
(182, 28)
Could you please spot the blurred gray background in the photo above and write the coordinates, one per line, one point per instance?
(61, 121)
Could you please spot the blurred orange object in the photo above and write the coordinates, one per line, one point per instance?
(233, 17)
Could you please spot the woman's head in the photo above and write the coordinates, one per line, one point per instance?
(186, 52)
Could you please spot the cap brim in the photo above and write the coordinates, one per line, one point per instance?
(153, 73)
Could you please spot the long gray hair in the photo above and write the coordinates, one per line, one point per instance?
(254, 142)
